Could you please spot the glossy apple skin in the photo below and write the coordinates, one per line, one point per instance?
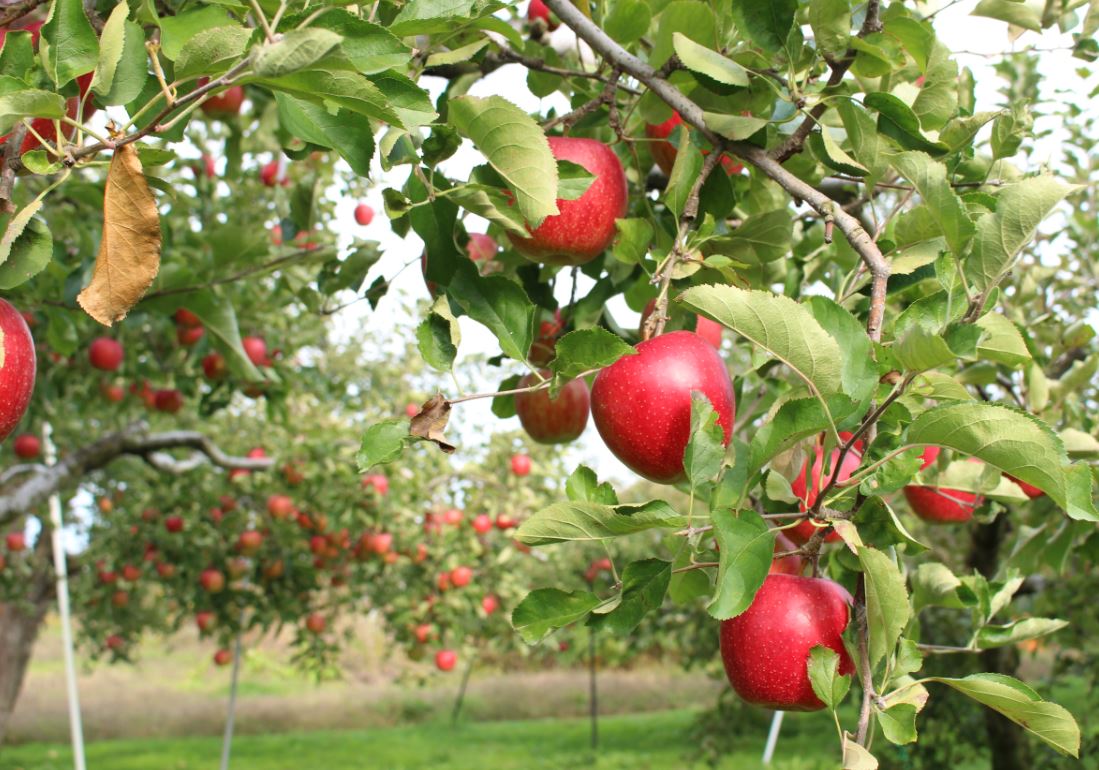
(807, 487)
(766, 648)
(553, 420)
(445, 660)
(520, 465)
(105, 354)
(584, 228)
(704, 327)
(664, 152)
(1029, 490)
(940, 505)
(226, 104)
(364, 215)
(641, 404)
(17, 368)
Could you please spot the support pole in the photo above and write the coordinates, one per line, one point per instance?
(76, 727)
(227, 740)
(593, 691)
(772, 737)
(457, 710)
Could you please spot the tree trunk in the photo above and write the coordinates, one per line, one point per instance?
(19, 626)
(1006, 741)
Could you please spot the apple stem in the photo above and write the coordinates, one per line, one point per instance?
(530, 389)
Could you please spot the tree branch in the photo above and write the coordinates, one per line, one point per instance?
(11, 159)
(21, 8)
(134, 439)
(866, 675)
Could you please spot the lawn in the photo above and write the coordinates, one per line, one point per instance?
(638, 742)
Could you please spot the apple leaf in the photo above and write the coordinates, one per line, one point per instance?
(411, 103)
(765, 24)
(1017, 631)
(587, 349)
(438, 336)
(434, 221)
(295, 50)
(383, 442)
(830, 21)
(855, 757)
(25, 249)
(685, 170)
(499, 304)
(17, 102)
(421, 17)
(1049, 722)
(705, 61)
(747, 545)
(504, 406)
(178, 29)
(68, 46)
(897, 121)
(220, 319)
(628, 20)
(123, 62)
(583, 486)
(515, 146)
(929, 178)
(858, 373)
(644, 585)
(879, 526)
(1025, 15)
(761, 238)
(828, 684)
(705, 449)
(349, 90)
(887, 608)
(341, 130)
(573, 180)
(793, 421)
(370, 47)
(212, 51)
(585, 521)
(898, 723)
(490, 203)
(1002, 341)
(548, 609)
(631, 245)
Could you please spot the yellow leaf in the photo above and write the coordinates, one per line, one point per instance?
(129, 254)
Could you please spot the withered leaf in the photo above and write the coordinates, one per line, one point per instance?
(430, 423)
(129, 253)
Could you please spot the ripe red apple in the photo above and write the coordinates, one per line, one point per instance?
(1029, 490)
(17, 368)
(165, 570)
(460, 577)
(940, 505)
(169, 400)
(115, 642)
(269, 174)
(452, 516)
(27, 446)
(280, 506)
(381, 543)
(787, 565)
(237, 567)
(16, 542)
(422, 633)
(316, 623)
(446, 660)
(318, 544)
(442, 581)
(584, 228)
(120, 598)
(250, 541)
(131, 573)
(188, 336)
(520, 465)
(489, 604)
(664, 152)
(539, 10)
(705, 328)
(223, 657)
(214, 366)
(184, 317)
(411, 410)
(364, 215)
(105, 353)
(107, 577)
(376, 481)
(104, 504)
(766, 648)
(274, 570)
(482, 523)
(808, 484)
(481, 247)
(225, 104)
(212, 580)
(544, 348)
(113, 393)
(256, 350)
(504, 522)
(553, 420)
(205, 620)
(642, 403)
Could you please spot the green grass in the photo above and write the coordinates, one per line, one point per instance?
(654, 741)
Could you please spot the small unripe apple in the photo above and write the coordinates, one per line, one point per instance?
(316, 623)
(940, 505)
(376, 481)
(280, 506)
(460, 577)
(446, 660)
(810, 481)
(553, 420)
(364, 215)
(169, 400)
(225, 104)
(173, 523)
(520, 465)
(16, 542)
(539, 10)
(105, 353)
(205, 620)
(641, 403)
(256, 350)
(766, 648)
(482, 523)
(223, 657)
(27, 446)
(708, 330)
(212, 580)
(489, 604)
(585, 227)
(17, 368)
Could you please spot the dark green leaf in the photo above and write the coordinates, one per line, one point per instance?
(747, 545)
(592, 521)
(644, 584)
(498, 303)
(548, 609)
(586, 349)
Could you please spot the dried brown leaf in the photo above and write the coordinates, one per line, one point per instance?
(431, 422)
(129, 253)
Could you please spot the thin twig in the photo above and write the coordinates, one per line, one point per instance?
(866, 675)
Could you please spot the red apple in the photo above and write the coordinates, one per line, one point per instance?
(223, 658)
(766, 648)
(422, 633)
(316, 623)
(318, 544)
(376, 481)
(705, 328)
(452, 516)
(165, 570)
(787, 565)
(664, 152)
(381, 543)
(269, 175)
(205, 620)
(364, 215)
(120, 599)
(411, 410)
(940, 505)
(214, 366)
(642, 403)
(520, 465)
(105, 353)
(553, 420)
(446, 660)
(225, 104)
(544, 348)
(113, 393)
(482, 523)
(169, 400)
(539, 10)
(107, 577)
(280, 506)
(16, 541)
(489, 604)
(504, 522)
(174, 523)
(274, 570)
(249, 541)
(584, 228)
(212, 580)
(256, 350)
(17, 368)
(115, 642)
(131, 573)
(27, 446)
(188, 336)
(460, 577)
(808, 484)
(481, 247)
(1030, 491)
(255, 453)
(184, 317)
(442, 581)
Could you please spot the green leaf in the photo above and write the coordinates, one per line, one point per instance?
(867, 145)
(573, 180)
(68, 46)
(778, 325)
(690, 18)
(456, 55)
(707, 62)
(420, 17)
(628, 20)
(220, 319)
(1020, 208)
(897, 121)
(25, 255)
(123, 64)
(17, 58)
(794, 421)
(1002, 341)
(644, 584)
(349, 90)
(583, 486)
(916, 37)
(434, 221)
(548, 609)
(438, 336)
(765, 24)
(828, 684)
(631, 245)
(177, 30)
(858, 374)
(504, 406)
(212, 51)
(921, 349)
(735, 127)
(499, 304)
(370, 47)
(929, 178)
(747, 545)
(411, 103)
(1049, 722)
(934, 584)
(855, 757)
(574, 520)
(887, 609)
(383, 442)
(515, 146)
(1021, 14)
(17, 102)
(828, 150)
(492, 204)
(1017, 631)
(830, 21)
(898, 723)
(342, 130)
(761, 238)
(685, 170)
(705, 449)
(585, 349)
